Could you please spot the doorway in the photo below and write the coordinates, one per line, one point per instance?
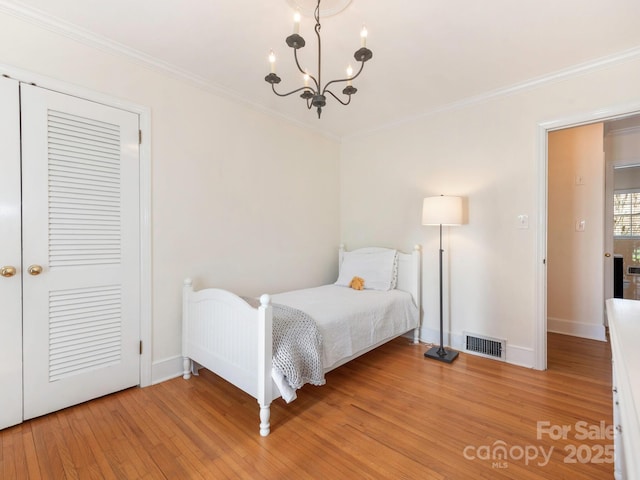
(73, 273)
(613, 120)
(10, 211)
(575, 226)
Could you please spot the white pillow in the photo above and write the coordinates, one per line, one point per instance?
(376, 268)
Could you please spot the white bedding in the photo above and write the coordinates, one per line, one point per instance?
(351, 320)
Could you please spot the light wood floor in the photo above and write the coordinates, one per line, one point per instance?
(389, 414)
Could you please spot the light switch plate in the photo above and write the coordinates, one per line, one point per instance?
(523, 221)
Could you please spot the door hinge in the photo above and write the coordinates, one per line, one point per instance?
(139, 137)
(140, 347)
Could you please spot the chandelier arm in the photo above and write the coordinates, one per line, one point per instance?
(326, 87)
(359, 71)
(291, 92)
(344, 79)
(338, 99)
(295, 56)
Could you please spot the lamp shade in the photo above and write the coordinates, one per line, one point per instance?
(442, 210)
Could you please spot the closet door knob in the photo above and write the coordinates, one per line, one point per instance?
(34, 270)
(607, 254)
(8, 271)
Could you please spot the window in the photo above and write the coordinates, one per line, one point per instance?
(626, 214)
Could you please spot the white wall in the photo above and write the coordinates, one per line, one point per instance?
(575, 265)
(487, 151)
(239, 199)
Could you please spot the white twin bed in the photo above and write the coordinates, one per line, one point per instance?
(234, 337)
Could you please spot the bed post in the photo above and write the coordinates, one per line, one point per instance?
(265, 347)
(417, 289)
(187, 290)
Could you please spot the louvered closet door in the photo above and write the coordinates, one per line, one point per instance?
(10, 282)
(80, 225)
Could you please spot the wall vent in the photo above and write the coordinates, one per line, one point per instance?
(485, 346)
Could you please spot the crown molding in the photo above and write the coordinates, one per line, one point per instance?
(61, 27)
(531, 84)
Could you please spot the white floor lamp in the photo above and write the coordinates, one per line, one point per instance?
(441, 210)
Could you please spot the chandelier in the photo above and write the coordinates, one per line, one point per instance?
(313, 92)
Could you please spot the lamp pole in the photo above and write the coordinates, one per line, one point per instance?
(441, 351)
(442, 211)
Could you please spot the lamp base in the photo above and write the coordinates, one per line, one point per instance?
(442, 354)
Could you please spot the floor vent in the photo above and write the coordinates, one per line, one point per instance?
(485, 346)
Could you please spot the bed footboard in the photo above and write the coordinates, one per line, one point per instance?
(224, 334)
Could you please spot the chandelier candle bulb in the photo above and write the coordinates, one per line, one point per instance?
(306, 79)
(272, 61)
(296, 22)
(363, 36)
(349, 73)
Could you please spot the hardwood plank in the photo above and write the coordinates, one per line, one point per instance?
(49, 457)
(29, 451)
(13, 460)
(63, 448)
(389, 414)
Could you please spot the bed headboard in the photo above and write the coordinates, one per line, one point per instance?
(409, 269)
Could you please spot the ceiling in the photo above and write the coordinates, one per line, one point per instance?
(426, 54)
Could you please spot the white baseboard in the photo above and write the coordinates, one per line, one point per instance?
(521, 356)
(429, 336)
(576, 329)
(166, 369)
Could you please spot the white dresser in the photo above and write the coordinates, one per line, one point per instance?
(624, 331)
